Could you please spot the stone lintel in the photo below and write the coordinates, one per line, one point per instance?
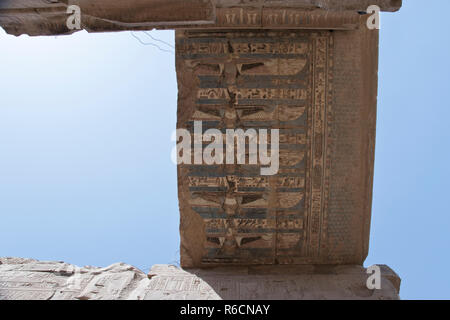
(319, 89)
(27, 279)
(35, 17)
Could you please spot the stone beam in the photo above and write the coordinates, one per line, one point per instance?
(49, 17)
(306, 72)
(37, 17)
(27, 279)
(319, 89)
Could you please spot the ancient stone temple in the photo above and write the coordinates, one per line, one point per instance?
(307, 68)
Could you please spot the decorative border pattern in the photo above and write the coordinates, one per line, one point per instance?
(319, 157)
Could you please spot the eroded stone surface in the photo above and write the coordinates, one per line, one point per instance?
(27, 279)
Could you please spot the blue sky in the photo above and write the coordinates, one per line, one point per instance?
(85, 170)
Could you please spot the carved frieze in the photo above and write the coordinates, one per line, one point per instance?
(251, 80)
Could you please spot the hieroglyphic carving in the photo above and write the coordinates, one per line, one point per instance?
(258, 80)
(250, 17)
